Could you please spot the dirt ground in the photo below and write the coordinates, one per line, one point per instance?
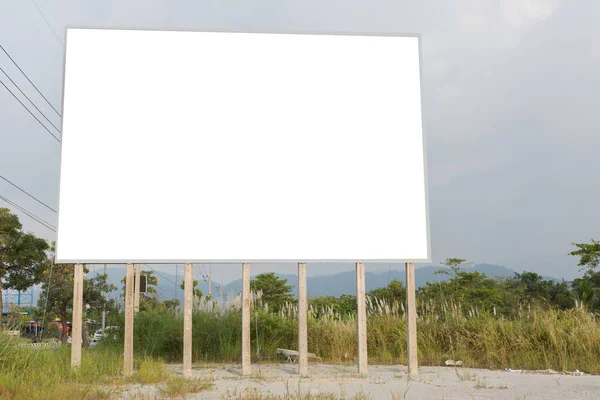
(387, 382)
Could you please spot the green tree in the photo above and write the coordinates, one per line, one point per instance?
(471, 290)
(533, 287)
(275, 291)
(171, 305)
(587, 289)
(560, 295)
(456, 264)
(344, 306)
(14, 318)
(534, 290)
(197, 292)
(393, 292)
(588, 253)
(56, 296)
(149, 300)
(23, 256)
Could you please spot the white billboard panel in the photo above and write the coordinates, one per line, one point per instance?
(226, 147)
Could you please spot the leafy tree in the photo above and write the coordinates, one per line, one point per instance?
(345, 305)
(56, 297)
(171, 305)
(14, 318)
(587, 289)
(22, 255)
(533, 287)
(456, 264)
(275, 291)
(395, 291)
(149, 300)
(197, 292)
(588, 253)
(534, 290)
(560, 296)
(471, 290)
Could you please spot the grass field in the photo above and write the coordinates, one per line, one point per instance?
(538, 340)
(551, 339)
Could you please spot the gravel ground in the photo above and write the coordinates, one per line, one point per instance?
(388, 382)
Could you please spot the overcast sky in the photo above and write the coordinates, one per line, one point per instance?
(511, 114)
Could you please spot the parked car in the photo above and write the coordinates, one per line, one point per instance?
(99, 334)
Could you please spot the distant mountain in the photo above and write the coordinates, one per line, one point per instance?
(322, 285)
(345, 282)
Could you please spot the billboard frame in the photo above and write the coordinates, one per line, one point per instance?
(259, 261)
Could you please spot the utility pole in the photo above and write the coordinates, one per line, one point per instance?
(210, 280)
(104, 308)
(176, 275)
(221, 293)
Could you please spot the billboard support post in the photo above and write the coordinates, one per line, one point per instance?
(246, 319)
(128, 348)
(411, 320)
(77, 316)
(361, 319)
(187, 321)
(302, 322)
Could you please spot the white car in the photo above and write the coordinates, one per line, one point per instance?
(97, 336)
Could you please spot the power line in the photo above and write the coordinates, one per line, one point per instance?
(29, 111)
(48, 23)
(17, 86)
(197, 269)
(205, 276)
(39, 201)
(165, 292)
(26, 77)
(161, 275)
(29, 214)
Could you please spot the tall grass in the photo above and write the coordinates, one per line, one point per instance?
(544, 339)
(44, 373)
(533, 339)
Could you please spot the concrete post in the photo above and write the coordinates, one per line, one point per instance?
(361, 302)
(128, 347)
(77, 321)
(188, 296)
(411, 320)
(302, 322)
(246, 366)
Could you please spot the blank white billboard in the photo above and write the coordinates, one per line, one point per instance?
(241, 147)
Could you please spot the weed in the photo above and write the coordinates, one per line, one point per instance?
(481, 384)
(178, 387)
